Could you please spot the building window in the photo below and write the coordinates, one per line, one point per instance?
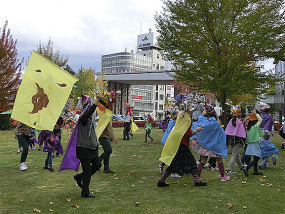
(156, 87)
(168, 87)
(161, 97)
(157, 56)
(160, 107)
(156, 95)
(156, 105)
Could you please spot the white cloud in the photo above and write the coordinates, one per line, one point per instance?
(84, 29)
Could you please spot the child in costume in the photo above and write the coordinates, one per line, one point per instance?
(180, 159)
(252, 140)
(147, 129)
(267, 121)
(212, 141)
(236, 135)
(267, 149)
(51, 144)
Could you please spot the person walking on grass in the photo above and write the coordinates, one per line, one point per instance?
(252, 140)
(236, 135)
(87, 146)
(147, 128)
(212, 140)
(181, 160)
(23, 134)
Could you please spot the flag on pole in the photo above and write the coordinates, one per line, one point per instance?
(43, 92)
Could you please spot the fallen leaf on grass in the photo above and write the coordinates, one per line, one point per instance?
(116, 178)
(137, 203)
(112, 195)
(262, 184)
(50, 210)
(75, 205)
(146, 208)
(259, 197)
(149, 177)
(261, 179)
(37, 210)
(244, 207)
(243, 182)
(68, 199)
(50, 202)
(270, 185)
(140, 157)
(133, 185)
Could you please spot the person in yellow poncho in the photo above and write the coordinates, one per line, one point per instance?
(183, 161)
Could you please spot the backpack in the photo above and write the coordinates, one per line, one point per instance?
(281, 133)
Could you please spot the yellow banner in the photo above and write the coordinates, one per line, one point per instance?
(43, 93)
(104, 119)
(172, 143)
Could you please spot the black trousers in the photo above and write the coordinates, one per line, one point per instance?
(89, 167)
(127, 128)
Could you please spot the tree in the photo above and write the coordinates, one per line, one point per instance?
(215, 45)
(47, 51)
(10, 68)
(87, 83)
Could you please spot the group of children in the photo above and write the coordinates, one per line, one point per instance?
(253, 133)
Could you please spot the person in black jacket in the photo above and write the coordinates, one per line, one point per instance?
(87, 146)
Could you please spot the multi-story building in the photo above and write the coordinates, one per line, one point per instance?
(146, 99)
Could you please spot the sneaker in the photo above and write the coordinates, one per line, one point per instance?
(109, 171)
(33, 147)
(214, 169)
(257, 173)
(23, 166)
(160, 184)
(151, 140)
(175, 175)
(225, 178)
(51, 169)
(45, 167)
(78, 181)
(200, 183)
(207, 165)
(19, 150)
(160, 169)
(229, 172)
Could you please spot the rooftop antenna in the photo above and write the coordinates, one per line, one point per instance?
(149, 30)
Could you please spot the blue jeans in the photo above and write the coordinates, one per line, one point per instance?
(49, 158)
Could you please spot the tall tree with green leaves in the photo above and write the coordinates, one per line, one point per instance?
(87, 84)
(216, 45)
(10, 67)
(54, 56)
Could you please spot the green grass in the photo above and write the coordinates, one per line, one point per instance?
(135, 181)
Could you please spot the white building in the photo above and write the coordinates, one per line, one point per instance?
(146, 99)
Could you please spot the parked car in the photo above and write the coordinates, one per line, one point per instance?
(138, 118)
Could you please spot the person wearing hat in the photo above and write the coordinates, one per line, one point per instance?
(267, 149)
(252, 140)
(267, 121)
(87, 146)
(212, 140)
(236, 135)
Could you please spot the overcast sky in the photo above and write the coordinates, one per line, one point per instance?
(83, 30)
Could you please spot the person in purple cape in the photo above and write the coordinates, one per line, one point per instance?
(267, 121)
(84, 143)
(236, 135)
(51, 143)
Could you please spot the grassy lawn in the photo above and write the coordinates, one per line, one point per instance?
(133, 188)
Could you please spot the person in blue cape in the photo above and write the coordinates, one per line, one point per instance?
(267, 149)
(212, 140)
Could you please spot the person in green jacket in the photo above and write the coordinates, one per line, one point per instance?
(147, 129)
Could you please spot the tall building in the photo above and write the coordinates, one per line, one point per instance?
(146, 99)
